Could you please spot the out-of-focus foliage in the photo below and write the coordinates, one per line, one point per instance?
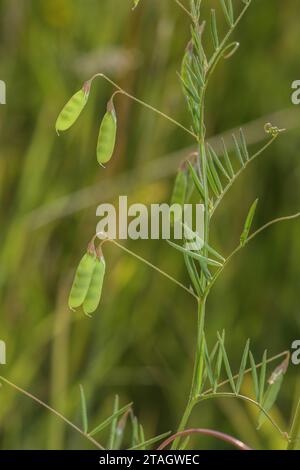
(140, 342)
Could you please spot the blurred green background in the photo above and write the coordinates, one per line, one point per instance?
(140, 342)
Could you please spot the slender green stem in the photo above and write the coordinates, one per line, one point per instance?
(152, 266)
(184, 9)
(197, 379)
(199, 356)
(210, 396)
(146, 105)
(215, 57)
(273, 222)
(251, 237)
(56, 413)
(197, 372)
(239, 172)
(198, 366)
(209, 393)
(294, 443)
(184, 420)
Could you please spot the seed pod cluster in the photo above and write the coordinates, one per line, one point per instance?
(72, 110)
(107, 135)
(108, 129)
(88, 282)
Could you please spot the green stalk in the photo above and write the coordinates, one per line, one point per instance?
(198, 370)
(294, 443)
(199, 354)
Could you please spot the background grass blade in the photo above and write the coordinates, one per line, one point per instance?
(208, 367)
(238, 150)
(109, 420)
(196, 180)
(254, 376)
(84, 410)
(120, 430)
(244, 145)
(114, 423)
(219, 362)
(195, 255)
(226, 364)
(226, 12)
(214, 29)
(142, 438)
(150, 442)
(218, 162)
(227, 159)
(135, 437)
(262, 378)
(270, 398)
(243, 367)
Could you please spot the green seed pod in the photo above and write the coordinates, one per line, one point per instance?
(93, 295)
(107, 135)
(180, 188)
(73, 109)
(82, 281)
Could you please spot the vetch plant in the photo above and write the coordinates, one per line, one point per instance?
(209, 175)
